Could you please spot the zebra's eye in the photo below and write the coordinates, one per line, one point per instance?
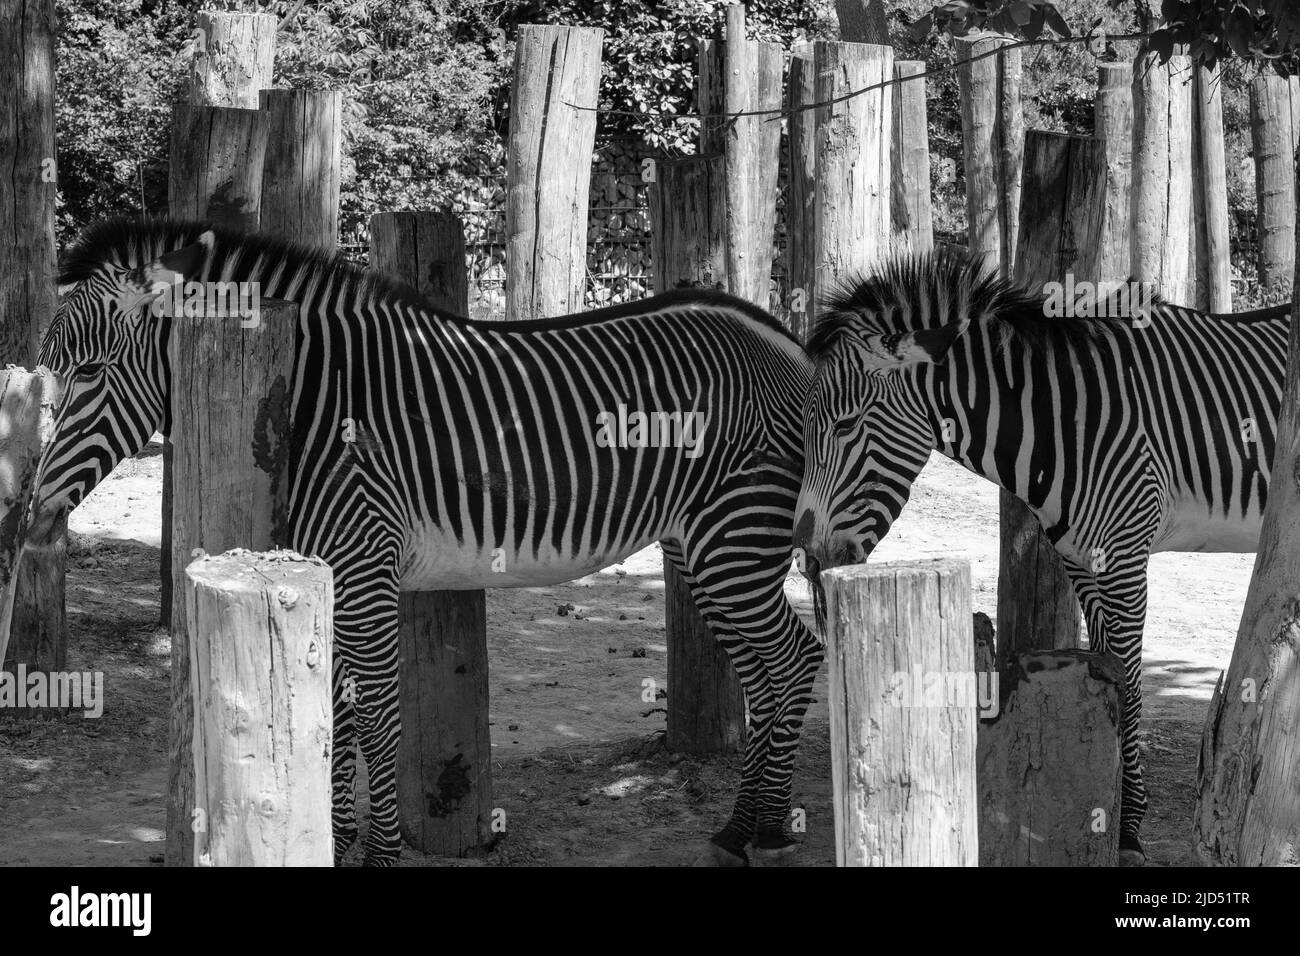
(88, 370)
(844, 426)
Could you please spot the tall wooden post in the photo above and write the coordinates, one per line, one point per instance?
(28, 266)
(1275, 133)
(735, 77)
(1062, 215)
(854, 140)
(444, 757)
(706, 705)
(230, 484)
(903, 712)
(912, 217)
(993, 143)
(801, 189)
(215, 175)
(234, 58)
(1113, 124)
(261, 630)
(1161, 204)
(548, 168)
(300, 179)
(1211, 267)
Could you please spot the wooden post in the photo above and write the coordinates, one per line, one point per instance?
(36, 636)
(261, 638)
(1113, 124)
(1161, 203)
(903, 706)
(854, 140)
(1062, 214)
(28, 265)
(912, 218)
(993, 143)
(234, 60)
(1211, 266)
(706, 705)
(1049, 763)
(863, 21)
(300, 180)
(801, 190)
(548, 168)
(230, 398)
(444, 757)
(743, 76)
(1275, 133)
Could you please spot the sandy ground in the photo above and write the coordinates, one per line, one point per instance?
(579, 765)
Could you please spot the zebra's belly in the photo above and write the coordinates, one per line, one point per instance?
(1191, 525)
(436, 561)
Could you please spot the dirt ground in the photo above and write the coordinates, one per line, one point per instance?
(579, 765)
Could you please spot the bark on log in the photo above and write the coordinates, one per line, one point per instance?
(901, 685)
(993, 143)
(231, 382)
(854, 141)
(234, 59)
(444, 756)
(739, 76)
(1275, 134)
(706, 705)
(911, 214)
(548, 168)
(1062, 213)
(1161, 204)
(261, 638)
(1113, 124)
(1211, 276)
(300, 179)
(801, 191)
(1049, 763)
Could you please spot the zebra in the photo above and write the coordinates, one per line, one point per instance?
(476, 442)
(1149, 427)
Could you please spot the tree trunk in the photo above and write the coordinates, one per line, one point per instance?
(1275, 132)
(235, 59)
(801, 191)
(1211, 256)
(901, 661)
(912, 219)
(261, 643)
(1113, 124)
(1248, 807)
(300, 180)
(863, 21)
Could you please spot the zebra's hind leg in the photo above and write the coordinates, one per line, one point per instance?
(727, 846)
(343, 759)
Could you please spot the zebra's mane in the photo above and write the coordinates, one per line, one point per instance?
(912, 291)
(127, 241)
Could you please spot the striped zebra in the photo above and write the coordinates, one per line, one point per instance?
(1123, 435)
(477, 443)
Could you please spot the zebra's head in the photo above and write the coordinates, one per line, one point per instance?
(874, 412)
(108, 346)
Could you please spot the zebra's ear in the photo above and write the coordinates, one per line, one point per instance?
(899, 349)
(184, 263)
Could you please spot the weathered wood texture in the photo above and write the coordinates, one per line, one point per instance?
(37, 634)
(689, 228)
(231, 383)
(1062, 215)
(1248, 805)
(1113, 124)
(1049, 763)
(1275, 134)
(912, 219)
(261, 640)
(739, 76)
(1211, 256)
(863, 21)
(854, 140)
(548, 168)
(1161, 198)
(903, 714)
(234, 58)
(300, 178)
(444, 757)
(993, 142)
(28, 182)
(801, 189)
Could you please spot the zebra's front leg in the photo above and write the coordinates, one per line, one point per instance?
(343, 768)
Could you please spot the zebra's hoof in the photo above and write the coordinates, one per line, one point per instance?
(715, 855)
(1131, 852)
(775, 855)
